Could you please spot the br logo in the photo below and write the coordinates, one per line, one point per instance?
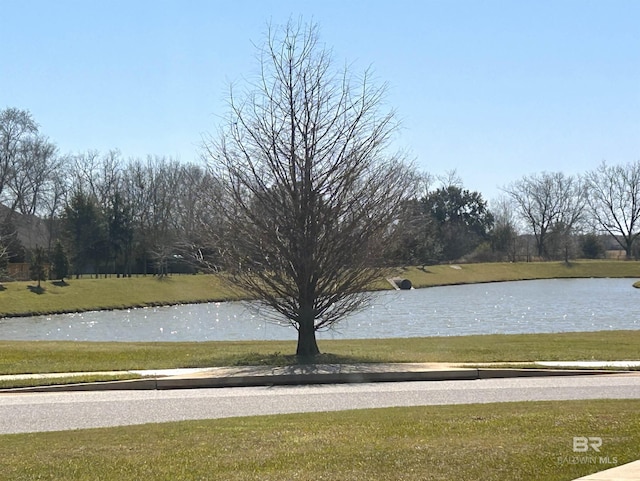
(582, 444)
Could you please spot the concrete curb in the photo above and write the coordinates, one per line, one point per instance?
(274, 379)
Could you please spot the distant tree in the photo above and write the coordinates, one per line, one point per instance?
(17, 128)
(197, 214)
(15, 251)
(504, 234)
(34, 167)
(84, 231)
(32, 174)
(592, 247)
(98, 175)
(546, 199)
(614, 202)
(418, 242)
(37, 266)
(4, 262)
(119, 231)
(53, 199)
(311, 194)
(59, 262)
(28, 165)
(462, 219)
(561, 242)
(154, 190)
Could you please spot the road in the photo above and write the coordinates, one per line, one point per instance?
(35, 412)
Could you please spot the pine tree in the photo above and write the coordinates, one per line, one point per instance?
(37, 267)
(60, 262)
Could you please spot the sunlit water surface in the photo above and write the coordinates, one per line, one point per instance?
(561, 305)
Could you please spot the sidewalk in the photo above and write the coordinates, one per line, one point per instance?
(626, 472)
(302, 374)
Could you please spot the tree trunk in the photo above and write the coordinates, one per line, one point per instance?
(307, 345)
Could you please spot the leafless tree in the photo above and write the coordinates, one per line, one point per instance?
(98, 175)
(614, 201)
(152, 190)
(546, 200)
(4, 260)
(167, 181)
(311, 192)
(31, 168)
(450, 178)
(17, 128)
(28, 163)
(504, 233)
(196, 206)
(55, 192)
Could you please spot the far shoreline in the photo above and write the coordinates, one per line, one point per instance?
(116, 294)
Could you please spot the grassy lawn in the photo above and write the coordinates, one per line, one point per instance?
(50, 381)
(20, 298)
(18, 357)
(493, 442)
(505, 271)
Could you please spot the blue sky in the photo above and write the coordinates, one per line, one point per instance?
(493, 89)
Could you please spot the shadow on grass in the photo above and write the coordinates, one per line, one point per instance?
(2, 288)
(60, 283)
(36, 289)
(162, 277)
(279, 359)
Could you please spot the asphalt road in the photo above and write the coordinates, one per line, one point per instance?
(34, 412)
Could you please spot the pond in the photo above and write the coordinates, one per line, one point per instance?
(559, 305)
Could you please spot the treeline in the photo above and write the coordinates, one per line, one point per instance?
(97, 212)
(101, 214)
(544, 216)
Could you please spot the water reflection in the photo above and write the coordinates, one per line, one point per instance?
(512, 307)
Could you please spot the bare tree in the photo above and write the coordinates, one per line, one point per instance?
(33, 167)
(614, 201)
(98, 175)
(450, 178)
(545, 200)
(311, 194)
(55, 192)
(4, 261)
(504, 233)
(28, 162)
(152, 190)
(196, 205)
(16, 129)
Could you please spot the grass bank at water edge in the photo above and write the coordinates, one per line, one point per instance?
(509, 271)
(77, 295)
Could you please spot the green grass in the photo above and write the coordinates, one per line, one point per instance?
(52, 381)
(18, 357)
(493, 442)
(21, 299)
(507, 271)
